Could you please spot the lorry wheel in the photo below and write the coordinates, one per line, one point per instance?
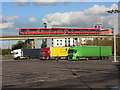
(67, 58)
(87, 58)
(28, 57)
(102, 58)
(18, 58)
(15, 58)
(107, 57)
(77, 58)
(99, 58)
(47, 58)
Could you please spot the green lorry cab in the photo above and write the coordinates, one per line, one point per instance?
(89, 52)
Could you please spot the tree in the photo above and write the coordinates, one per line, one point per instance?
(89, 42)
(44, 44)
(18, 45)
(21, 45)
(5, 51)
(28, 43)
(106, 42)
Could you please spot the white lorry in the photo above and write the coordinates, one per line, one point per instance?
(25, 53)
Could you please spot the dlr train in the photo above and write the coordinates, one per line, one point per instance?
(39, 31)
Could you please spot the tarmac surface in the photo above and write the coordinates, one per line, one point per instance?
(35, 73)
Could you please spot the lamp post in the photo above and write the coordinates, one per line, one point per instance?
(114, 12)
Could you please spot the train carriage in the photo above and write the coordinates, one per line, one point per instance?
(39, 31)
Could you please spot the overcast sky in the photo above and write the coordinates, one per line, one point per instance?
(21, 14)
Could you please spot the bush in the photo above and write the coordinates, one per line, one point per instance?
(5, 51)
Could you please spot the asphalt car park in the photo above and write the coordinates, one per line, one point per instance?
(35, 73)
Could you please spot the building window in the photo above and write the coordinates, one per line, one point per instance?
(65, 41)
(69, 44)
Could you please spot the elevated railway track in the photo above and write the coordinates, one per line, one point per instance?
(22, 37)
(34, 38)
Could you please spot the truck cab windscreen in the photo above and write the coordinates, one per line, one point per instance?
(72, 51)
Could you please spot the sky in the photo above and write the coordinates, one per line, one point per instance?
(25, 13)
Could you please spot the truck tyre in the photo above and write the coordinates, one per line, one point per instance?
(28, 57)
(102, 58)
(18, 58)
(107, 57)
(15, 58)
(87, 58)
(67, 58)
(77, 58)
(47, 58)
(57, 59)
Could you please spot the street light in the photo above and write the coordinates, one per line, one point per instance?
(114, 12)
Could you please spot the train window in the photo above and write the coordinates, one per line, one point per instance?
(97, 30)
(50, 30)
(55, 29)
(44, 30)
(39, 30)
(31, 30)
(23, 30)
(81, 30)
(77, 30)
(89, 30)
(70, 30)
(27, 31)
(85, 30)
(60, 30)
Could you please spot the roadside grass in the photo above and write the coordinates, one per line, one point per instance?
(6, 59)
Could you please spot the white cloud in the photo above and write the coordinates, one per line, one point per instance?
(11, 18)
(114, 6)
(6, 25)
(93, 15)
(43, 2)
(96, 10)
(5, 19)
(32, 19)
(37, 2)
(22, 2)
(5, 22)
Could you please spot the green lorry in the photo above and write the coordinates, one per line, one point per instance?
(89, 52)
